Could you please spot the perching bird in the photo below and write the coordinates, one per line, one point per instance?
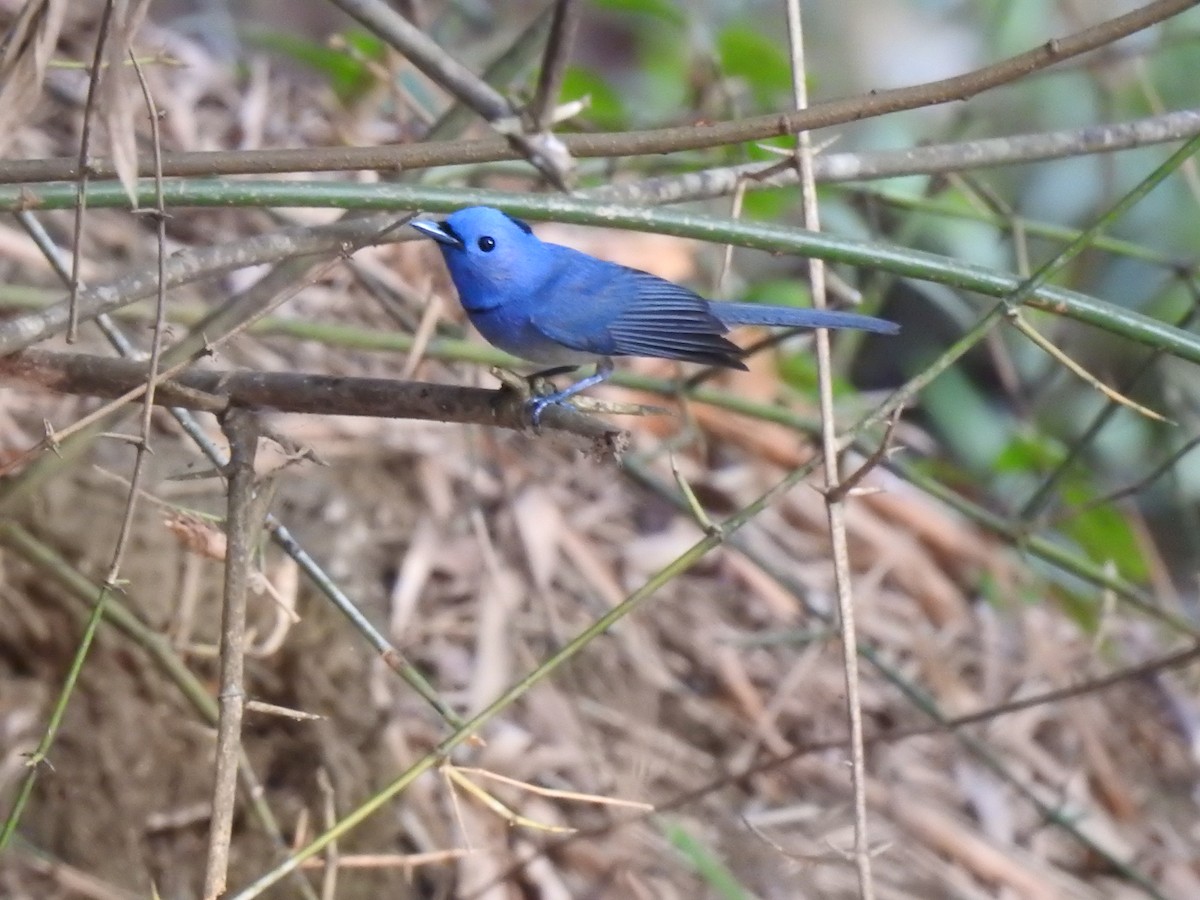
(560, 307)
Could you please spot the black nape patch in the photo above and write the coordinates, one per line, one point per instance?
(524, 226)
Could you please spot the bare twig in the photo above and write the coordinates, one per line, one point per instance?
(445, 70)
(834, 499)
(1075, 368)
(855, 478)
(563, 27)
(424, 53)
(1038, 499)
(634, 143)
(85, 146)
(241, 430)
(925, 159)
(160, 259)
(192, 265)
(217, 391)
(112, 579)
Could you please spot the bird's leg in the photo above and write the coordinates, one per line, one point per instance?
(530, 387)
(604, 369)
(539, 383)
(551, 372)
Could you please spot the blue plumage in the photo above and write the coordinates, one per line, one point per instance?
(557, 306)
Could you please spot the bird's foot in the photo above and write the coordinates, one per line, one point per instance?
(537, 406)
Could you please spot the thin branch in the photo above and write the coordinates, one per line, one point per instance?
(1134, 487)
(835, 507)
(14, 333)
(693, 136)
(1041, 495)
(160, 259)
(878, 456)
(242, 431)
(217, 391)
(563, 28)
(1046, 345)
(279, 532)
(189, 266)
(85, 147)
(111, 582)
(926, 159)
(424, 53)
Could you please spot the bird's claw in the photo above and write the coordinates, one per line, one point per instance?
(537, 406)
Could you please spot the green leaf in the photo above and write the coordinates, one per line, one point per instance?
(1103, 533)
(778, 292)
(1029, 454)
(704, 861)
(971, 424)
(759, 61)
(348, 74)
(606, 110)
(659, 9)
(768, 206)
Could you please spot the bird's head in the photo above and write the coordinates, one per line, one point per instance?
(487, 252)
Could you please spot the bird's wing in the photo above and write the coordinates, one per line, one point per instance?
(635, 313)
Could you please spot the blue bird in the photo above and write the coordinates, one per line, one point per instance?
(562, 308)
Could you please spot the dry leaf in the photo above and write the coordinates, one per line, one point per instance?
(197, 536)
(120, 98)
(29, 44)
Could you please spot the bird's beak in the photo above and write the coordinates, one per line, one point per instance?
(439, 233)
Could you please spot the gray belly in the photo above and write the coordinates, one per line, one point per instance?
(516, 335)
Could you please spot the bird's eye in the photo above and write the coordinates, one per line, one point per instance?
(487, 244)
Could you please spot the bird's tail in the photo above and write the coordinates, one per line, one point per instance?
(732, 314)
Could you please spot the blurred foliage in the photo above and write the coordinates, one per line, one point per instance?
(761, 63)
(720, 881)
(605, 108)
(665, 62)
(663, 10)
(347, 71)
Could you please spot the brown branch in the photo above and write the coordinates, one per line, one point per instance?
(563, 28)
(217, 392)
(85, 149)
(242, 431)
(633, 143)
(446, 71)
(424, 53)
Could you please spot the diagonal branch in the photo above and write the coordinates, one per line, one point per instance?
(424, 53)
(655, 141)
